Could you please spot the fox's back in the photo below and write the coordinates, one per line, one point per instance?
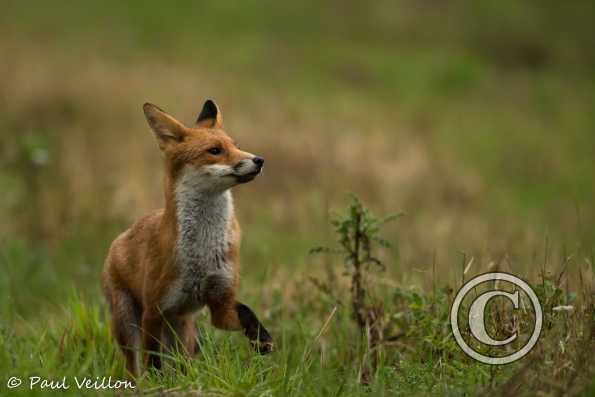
(131, 253)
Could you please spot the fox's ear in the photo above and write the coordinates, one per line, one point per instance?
(210, 116)
(167, 129)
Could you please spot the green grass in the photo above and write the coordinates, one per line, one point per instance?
(80, 345)
(319, 349)
(313, 358)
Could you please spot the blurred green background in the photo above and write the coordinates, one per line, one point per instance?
(477, 119)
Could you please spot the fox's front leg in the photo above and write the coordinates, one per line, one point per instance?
(152, 324)
(229, 314)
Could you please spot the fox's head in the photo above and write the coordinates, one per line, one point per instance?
(203, 156)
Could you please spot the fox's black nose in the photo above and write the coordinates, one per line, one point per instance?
(259, 161)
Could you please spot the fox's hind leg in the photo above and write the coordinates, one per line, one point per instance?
(126, 327)
(179, 333)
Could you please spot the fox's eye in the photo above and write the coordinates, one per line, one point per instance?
(215, 151)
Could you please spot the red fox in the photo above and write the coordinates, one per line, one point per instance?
(173, 262)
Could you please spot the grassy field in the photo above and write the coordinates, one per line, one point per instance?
(474, 119)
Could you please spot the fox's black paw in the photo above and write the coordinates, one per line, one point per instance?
(259, 337)
(263, 347)
(264, 343)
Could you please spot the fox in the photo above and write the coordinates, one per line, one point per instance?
(173, 262)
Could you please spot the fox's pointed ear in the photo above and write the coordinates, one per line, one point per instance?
(167, 129)
(210, 116)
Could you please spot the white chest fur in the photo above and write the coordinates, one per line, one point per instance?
(204, 228)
